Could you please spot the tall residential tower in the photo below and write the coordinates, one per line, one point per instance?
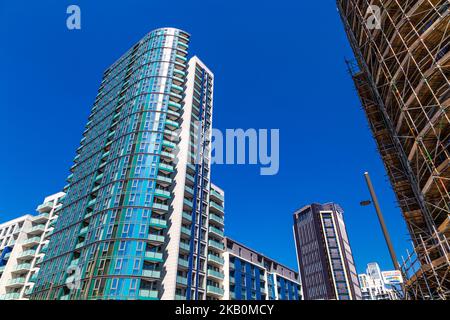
(402, 76)
(135, 221)
(324, 255)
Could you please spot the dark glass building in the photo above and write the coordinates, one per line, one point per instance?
(325, 259)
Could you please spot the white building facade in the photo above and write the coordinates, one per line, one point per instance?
(23, 244)
(373, 286)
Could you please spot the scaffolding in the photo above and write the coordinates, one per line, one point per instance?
(401, 74)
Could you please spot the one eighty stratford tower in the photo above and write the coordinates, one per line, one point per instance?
(403, 80)
(134, 222)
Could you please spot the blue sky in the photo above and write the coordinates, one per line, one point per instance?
(277, 65)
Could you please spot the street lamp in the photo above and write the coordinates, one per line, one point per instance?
(380, 219)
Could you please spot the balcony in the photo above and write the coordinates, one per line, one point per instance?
(216, 206)
(154, 256)
(166, 168)
(215, 274)
(168, 144)
(91, 202)
(49, 233)
(187, 217)
(78, 246)
(175, 105)
(37, 229)
(188, 203)
(189, 190)
(10, 296)
(45, 207)
(217, 195)
(27, 254)
(158, 223)
(182, 280)
(167, 155)
(43, 217)
(164, 180)
(217, 245)
(183, 263)
(214, 290)
(22, 267)
(84, 230)
(162, 194)
(151, 274)
(216, 231)
(31, 242)
(148, 294)
(184, 246)
(215, 259)
(180, 72)
(160, 208)
(74, 262)
(178, 88)
(216, 218)
(15, 283)
(156, 239)
(190, 178)
(172, 124)
(186, 231)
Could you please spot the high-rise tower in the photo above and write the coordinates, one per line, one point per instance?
(134, 222)
(402, 76)
(324, 254)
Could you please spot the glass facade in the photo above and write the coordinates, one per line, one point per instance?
(121, 206)
(325, 258)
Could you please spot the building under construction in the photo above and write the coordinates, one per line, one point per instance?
(401, 73)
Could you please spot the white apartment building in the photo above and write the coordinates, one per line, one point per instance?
(373, 286)
(23, 243)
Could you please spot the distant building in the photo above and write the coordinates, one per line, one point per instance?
(249, 275)
(23, 244)
(373, 286)
(324, 255)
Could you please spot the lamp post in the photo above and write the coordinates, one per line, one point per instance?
(381, 220)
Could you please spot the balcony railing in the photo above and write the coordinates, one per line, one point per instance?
(215, 290)
(158, 223)
(151, 274)
(183, 262)
(216, 244)
(45, 207)
(216, 231)
(216, 218)
(154, 256)
(185, 246)
(10, 296)
(186, 231)
(182, 280)
(217, 195)
(162, 193)
(215, 274)
(160, 207)
(156, 238)
(148, 294)
(215, 259)
(216, 206)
